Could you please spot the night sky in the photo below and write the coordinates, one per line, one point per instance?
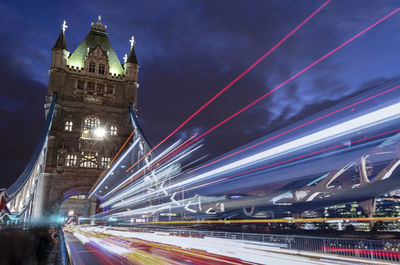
(188, 50)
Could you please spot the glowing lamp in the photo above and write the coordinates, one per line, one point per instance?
(99, 132)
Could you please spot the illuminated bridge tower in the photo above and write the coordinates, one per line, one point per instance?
(91, 119)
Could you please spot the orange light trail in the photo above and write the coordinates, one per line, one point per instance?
(115, 157)
(282, 220)
(155, 163)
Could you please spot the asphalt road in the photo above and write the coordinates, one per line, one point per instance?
(99, 248)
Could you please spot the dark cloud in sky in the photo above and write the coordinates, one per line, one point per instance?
(189, 50)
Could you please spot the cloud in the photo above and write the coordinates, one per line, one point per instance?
(21, 123)
(188, 51)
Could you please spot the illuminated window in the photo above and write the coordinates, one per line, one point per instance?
(90, 126)
(90, 86)
(68, 126)
(81, 197)
(100, 88)
(81, 84)
(101, 69)
(105, 161)
(71, 160)
(113, 130)
(88, 160)
(92, 67)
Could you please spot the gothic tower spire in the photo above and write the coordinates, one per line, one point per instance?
(132, 55)
(60, 52)
(61, 43)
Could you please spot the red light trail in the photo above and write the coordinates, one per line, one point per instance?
(288, 80)
(295, 128)
(233, 82)
(295, 158)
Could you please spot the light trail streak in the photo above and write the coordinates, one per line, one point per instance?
(291, 78)
(159, 207)
(114, 166)
(138, 199)
(235, 80)
(138, 188)
(138, 171)
(115, 157)
(289, 220)
(363, 121)
(295, 158)
(295, 128)
(156, 163)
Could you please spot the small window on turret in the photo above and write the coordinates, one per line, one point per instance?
(92, 67)
(101, 69)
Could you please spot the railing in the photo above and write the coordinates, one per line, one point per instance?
(63, 254)
(383, 250)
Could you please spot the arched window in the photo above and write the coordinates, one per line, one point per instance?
(92, 129)
(105, 161)
(71, 160)
(88, 160)
(113, 130)
(68, 126)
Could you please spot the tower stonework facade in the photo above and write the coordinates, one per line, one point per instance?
(91, 119)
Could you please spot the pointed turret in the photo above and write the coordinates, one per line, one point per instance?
(60, 52)
(60, 43)
(131, 63)
(132, 55)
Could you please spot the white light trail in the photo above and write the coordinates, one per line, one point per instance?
(139, 187)
(367, 120)
(115, 165)
(358, 123)
(144, 167)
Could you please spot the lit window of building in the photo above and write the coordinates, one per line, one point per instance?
(105, 161)
(68, 126)
(113, 130)
(92, 67)
(91, 128)
(101, 69)
(71, 160)
(79, 197)
(88, 160)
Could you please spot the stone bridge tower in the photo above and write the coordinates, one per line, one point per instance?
(91, 120)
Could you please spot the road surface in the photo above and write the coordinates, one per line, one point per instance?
(109, 248)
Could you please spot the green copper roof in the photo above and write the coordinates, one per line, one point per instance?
(93, 39)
